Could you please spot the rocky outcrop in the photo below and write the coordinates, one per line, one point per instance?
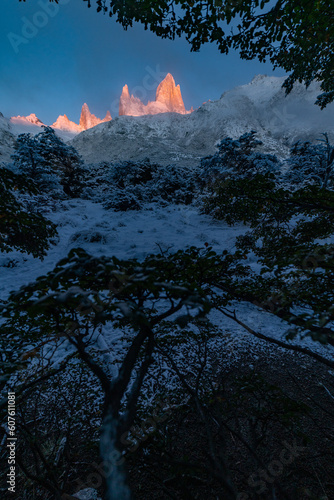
(87, 121)
(130, 105)
(169, 95)
(168, 99)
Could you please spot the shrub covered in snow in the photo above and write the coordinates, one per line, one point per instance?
(311, 164)
(246, 185)
(129, 185)
(238, 158)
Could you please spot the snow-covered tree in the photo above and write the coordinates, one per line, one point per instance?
(177, 184)
(64, 160)
(20, 229)
(49, 162)
(311, 163)
(129, 185)
(238, 157)
(288, 230)
(98, 292)
(29, 159)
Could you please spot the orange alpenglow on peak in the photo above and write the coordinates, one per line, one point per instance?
(170, 94)
(87, 120)
(63, 123)
(29, 120)
(125, 91)
(168, 99)
(107, 118)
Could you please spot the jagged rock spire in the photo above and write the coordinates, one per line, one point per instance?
(168, 99)
(170, 94)
(87, 120)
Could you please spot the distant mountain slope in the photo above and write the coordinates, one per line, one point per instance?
(7, 139)
(170, 137)
(184, 138)
(10, 128)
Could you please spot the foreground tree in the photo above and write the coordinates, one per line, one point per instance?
(28, 159)
(290, 227)
(48, 161)
(86, 299)
(64, 159)
(81, 297)
(311, 164)
(17, 223)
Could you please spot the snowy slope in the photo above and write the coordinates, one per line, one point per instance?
(166, 138)
(135, 234)
(11, 128)
(25, 127)
(124, 234)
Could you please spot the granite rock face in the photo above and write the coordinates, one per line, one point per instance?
(168, 99)
(87, 121)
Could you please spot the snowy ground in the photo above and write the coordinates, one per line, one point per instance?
(88, 225)
(123, 234)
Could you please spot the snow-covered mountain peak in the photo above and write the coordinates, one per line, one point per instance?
(34, 120)
(259, 78)
(27, 120)
(260, 105)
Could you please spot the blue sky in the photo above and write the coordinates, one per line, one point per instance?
(51, 63)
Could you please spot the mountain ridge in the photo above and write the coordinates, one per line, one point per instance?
(173, 137)
(63, 123)
(260, 105)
